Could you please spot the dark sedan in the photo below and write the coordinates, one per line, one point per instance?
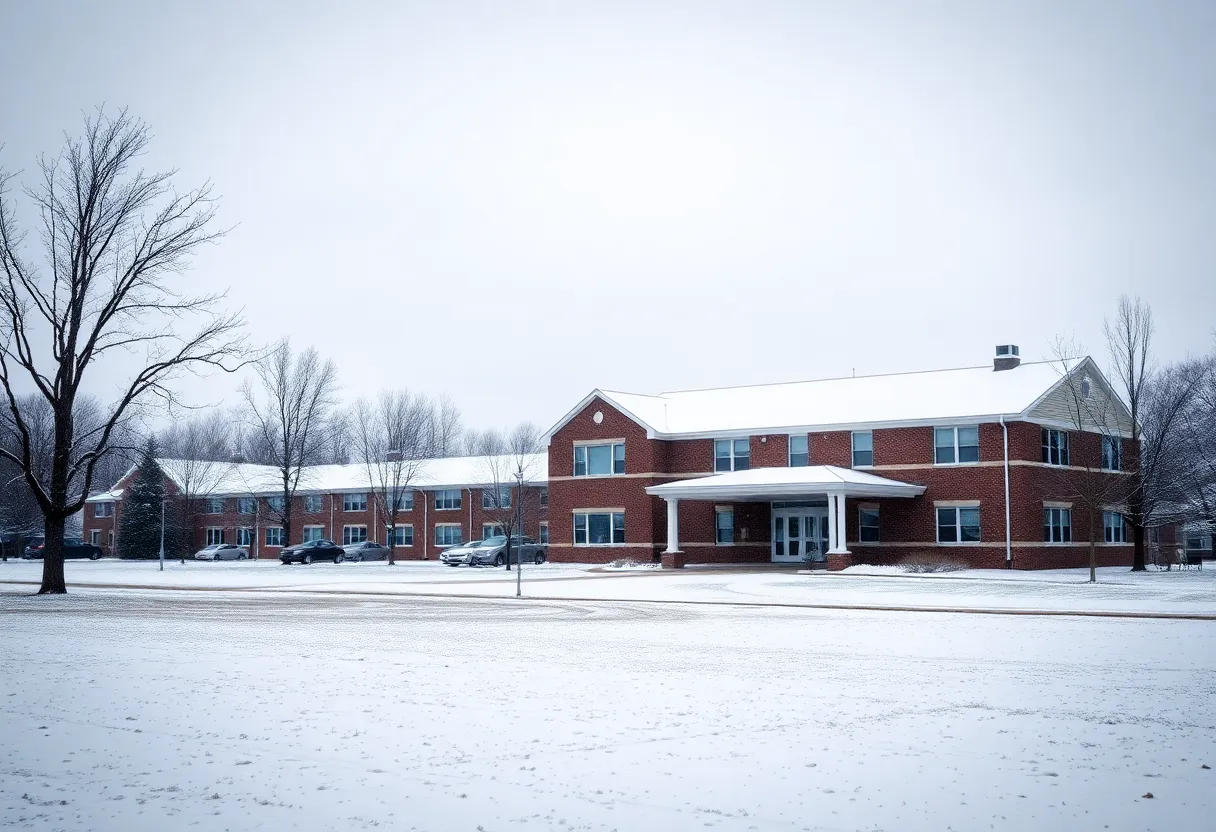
(72, 548)
(367, 550)
(312, 550)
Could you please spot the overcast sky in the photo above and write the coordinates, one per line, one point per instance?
(515, 203)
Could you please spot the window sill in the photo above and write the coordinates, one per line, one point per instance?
(448, 509)
(596, 545)
(959, 543)
(957, 464)
(597, 476)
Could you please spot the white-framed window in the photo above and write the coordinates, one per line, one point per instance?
(95, 537)
(313, 504)
(1057, 525)
(312, 533)
(274, 536)
(1055, 446)
(275, 504)
(401, 535)
(103, 509)
(447, 534)
(489, 500)
(491, 530)
(800, 451)
(958, 524)
(447, 499)
(956, 445)
(1112, 453)
(724, 525)
(732, 454)
(542, 534)
(544, 497)
(599, 460)
(1114, 530)
(354, 502)
(863, 448)
(405, 500)
(599, 528)
(213, 505)
(215, 535)
(245, 505)
(353, 534)
(244, 536)
(867, 524)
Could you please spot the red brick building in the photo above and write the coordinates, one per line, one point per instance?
(982, 465)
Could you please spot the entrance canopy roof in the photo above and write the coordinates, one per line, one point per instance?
(761, 484)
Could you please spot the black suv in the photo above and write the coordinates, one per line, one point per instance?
(312, 550)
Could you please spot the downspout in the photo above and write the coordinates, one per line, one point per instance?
(331, 518)
(375, 519)
(470, 537)
(426, 540)
(1008, 536)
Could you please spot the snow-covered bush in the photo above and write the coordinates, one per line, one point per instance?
(930, 562)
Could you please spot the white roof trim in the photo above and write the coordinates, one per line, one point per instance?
(762, 484)
(588, 399)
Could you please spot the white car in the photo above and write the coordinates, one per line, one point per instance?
(222, 551)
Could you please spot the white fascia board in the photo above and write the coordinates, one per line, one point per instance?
(1071, 427)
(586, 400)
(843, 426)
(764, 492)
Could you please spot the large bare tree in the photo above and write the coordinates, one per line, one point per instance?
(115, 239)
(445, 429)
(509, 462)
(290, 418)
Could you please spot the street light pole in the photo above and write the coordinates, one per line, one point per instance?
(162, 535)
(519, 528)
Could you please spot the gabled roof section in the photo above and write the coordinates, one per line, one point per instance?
(621, 401)
(1063, 403)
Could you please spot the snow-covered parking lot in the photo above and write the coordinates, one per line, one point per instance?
(152, 710)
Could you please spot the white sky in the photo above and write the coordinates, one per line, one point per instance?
(516, 205)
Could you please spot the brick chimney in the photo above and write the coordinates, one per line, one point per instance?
(1007, 357)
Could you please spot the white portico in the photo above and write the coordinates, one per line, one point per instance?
(808, 504)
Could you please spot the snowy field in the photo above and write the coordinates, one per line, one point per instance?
(154, 710)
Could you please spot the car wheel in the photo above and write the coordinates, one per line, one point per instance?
(337, 558)
(308, 559)
(94, 556)
(499, 561)
(242, 557)
(358, 558)
(540, 557)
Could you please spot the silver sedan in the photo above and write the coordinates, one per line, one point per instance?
(367, 550)
(222, 551)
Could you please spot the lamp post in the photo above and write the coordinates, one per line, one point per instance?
(519, 528)
(162, 535)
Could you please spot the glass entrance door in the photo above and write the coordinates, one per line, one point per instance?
(800, 535)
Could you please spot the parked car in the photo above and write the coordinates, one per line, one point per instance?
(312, 550)
(222, 551)
(367, 550)
(493, 551)
(73, 547)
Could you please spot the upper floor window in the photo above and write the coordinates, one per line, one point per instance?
(492, 500)
(1112, 453)
(214, 505)
(1057, 525)
(1113, 527)
(867, 524)
(245, 505)
(599, 460)
(599, 528)
(544, 498)
(958, 524)
(103, 509)
(732, 454)
(312, 504)
(276, 505)
(800, 455)
(405, 500)
(447, 499)
(1055, 446)
(863, 448)
(956, 445)
(724, 524)
(354, 502)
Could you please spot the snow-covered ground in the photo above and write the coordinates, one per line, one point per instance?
(154, 710)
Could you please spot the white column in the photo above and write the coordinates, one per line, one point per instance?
(842, 526)
(833, 536)
(837, 530)
(673, 527)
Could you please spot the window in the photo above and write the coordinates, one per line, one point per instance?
(867, 524)
(405, 500)
(447, 534)
(400, 535)
(275, 504)
(544, 498)
(245, 505)
(503, 500)
(958, 524)
(244, 536)
(103, 509)
(214, 536)
(732, 454)
(1085, 387)
(1112, 453)
(1055, 447)
(863, 448)
(542, 535)
(214, 505)
(95, 537)
(447, 500)
(800, 455)
(353, 534)
(1057, 525)
(956, 445)
(312, 533)
(599, 528)
(724, 524)
(312, 504)
(599, 460)
(354, 502)
(274, 536)
(491, 530)
(1113, 527)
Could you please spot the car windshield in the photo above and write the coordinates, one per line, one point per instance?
(499, 540)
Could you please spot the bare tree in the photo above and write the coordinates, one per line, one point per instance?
(113, 237)
(445, 429)
(198, 454)
(289, 418)
(1196, 461)
(392, 436)
(509, 463)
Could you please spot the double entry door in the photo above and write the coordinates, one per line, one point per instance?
(800, 535)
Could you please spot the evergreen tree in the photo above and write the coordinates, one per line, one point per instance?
(139, 528)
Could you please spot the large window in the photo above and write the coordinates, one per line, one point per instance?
(95, 537)
(400, 535)
(542, 535)
(800, 451)
(213, 505)
(958, 524)
(724, 525)
(244, 536)
(274, 536)
(867, 524)
(1055, 446)
(1113, 527)
(1057, 525)
(599, 460)
(275, 504)
(312, 533)
(491, 530)
(732, 454)
(956, 445)
(354, 502)
(544, 497)
(863, 448)
(245, 505)
(447, 500)
(599, 528)
(405, 500)
(214, 536)
(103, 509)
(1112, 453)
(312, 504)
(447, 534)
(490, 500)
(353, 534)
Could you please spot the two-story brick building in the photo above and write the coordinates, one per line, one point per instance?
(979, 465)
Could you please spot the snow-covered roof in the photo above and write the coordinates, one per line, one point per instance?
(934, 396)
(785, 483)
(106, 496)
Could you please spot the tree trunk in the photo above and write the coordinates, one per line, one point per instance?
(52, 558)
(392, 537)
(1093, 550)
(1137, 547)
